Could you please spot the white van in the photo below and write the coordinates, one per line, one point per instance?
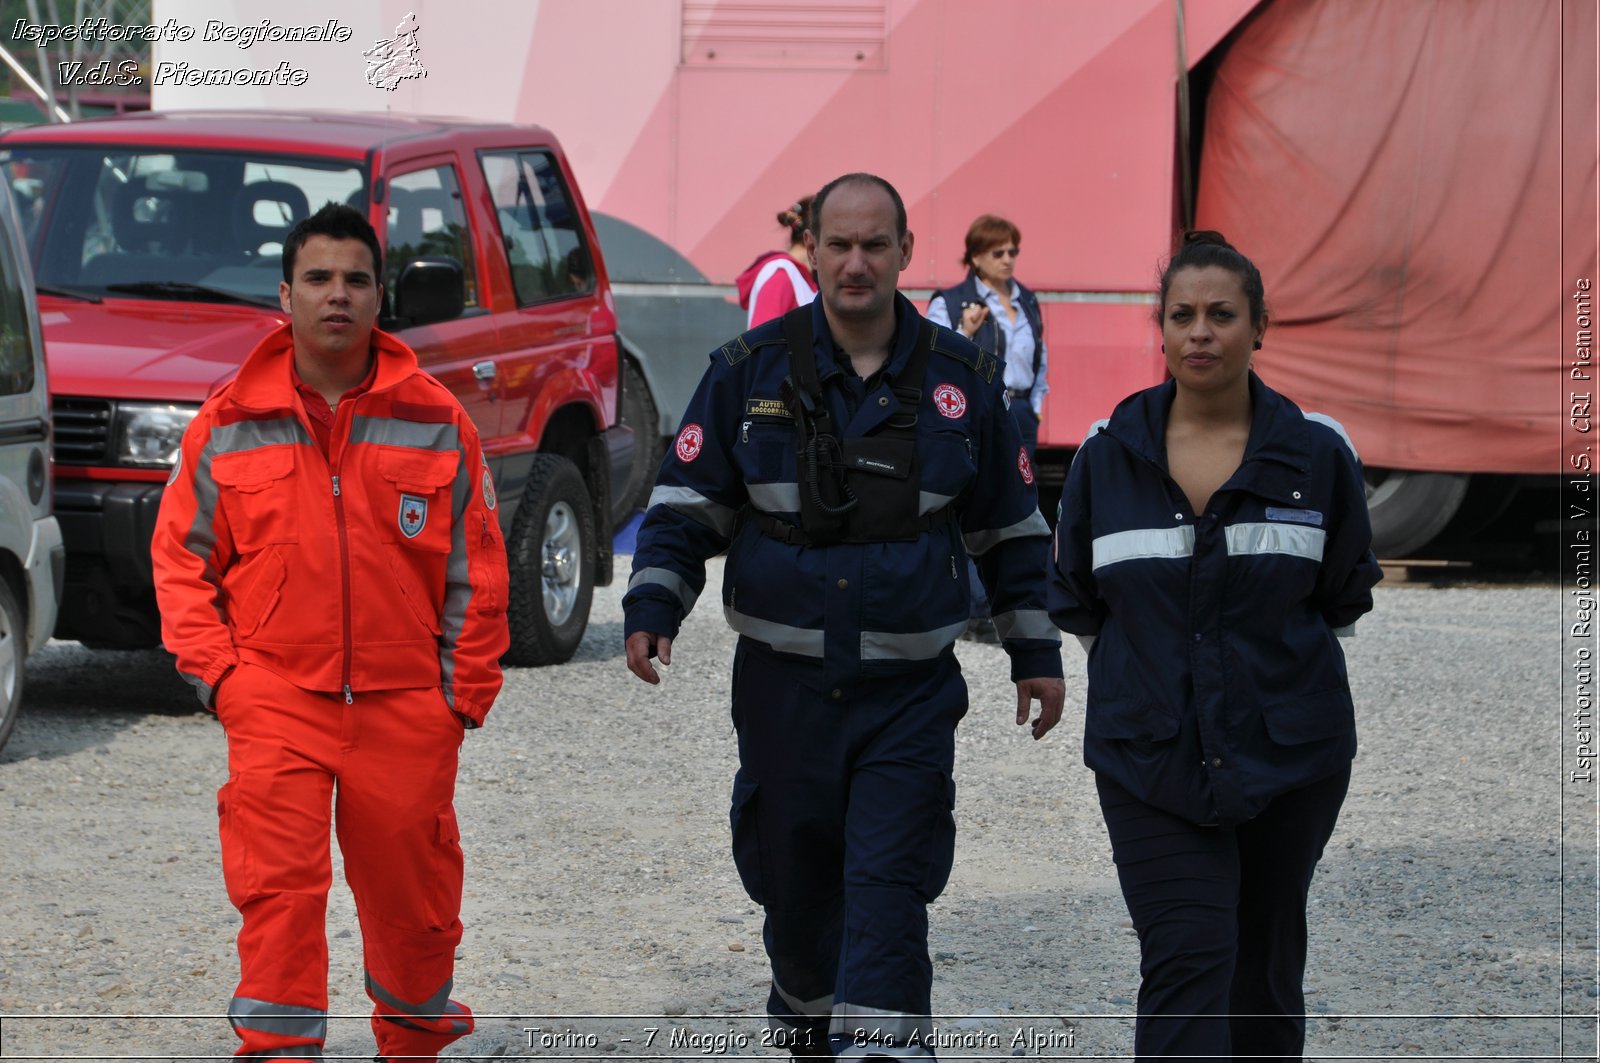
(32, 559)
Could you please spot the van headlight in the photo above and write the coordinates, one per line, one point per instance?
(149, 434)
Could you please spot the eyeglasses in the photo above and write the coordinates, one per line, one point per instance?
(1004, 252)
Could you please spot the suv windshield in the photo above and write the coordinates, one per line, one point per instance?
(167, 224)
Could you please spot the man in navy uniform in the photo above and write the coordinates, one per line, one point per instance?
(849, 457)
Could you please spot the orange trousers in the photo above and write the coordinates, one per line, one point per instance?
(384, 769)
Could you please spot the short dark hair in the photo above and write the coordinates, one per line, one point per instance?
(340, 222)
(857, 179)
(1207, 247)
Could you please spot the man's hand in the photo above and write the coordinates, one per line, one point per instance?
(1050, 694)
(642, 645)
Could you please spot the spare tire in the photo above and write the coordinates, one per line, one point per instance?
(638, 413)
(1410, 508)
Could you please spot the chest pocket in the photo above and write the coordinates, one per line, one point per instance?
(412, 498)
(256, 490)
(766, 448)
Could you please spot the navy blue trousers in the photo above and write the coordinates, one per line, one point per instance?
(1221, 917)
(843, 833)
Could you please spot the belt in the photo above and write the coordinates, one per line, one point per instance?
(1019, 393)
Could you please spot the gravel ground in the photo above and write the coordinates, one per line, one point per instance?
(1448, 917)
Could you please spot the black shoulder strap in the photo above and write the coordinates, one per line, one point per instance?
(802, 359)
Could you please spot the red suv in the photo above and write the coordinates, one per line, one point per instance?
(157, 244)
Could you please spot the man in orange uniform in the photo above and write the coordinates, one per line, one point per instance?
(333, 581)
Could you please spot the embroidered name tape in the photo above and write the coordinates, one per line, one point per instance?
(1298, 516)
(766, 408)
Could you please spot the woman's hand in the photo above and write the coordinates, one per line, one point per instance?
(973, 315)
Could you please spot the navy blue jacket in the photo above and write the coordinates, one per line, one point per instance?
(1216, 681)
(855, 608)
(989, 336)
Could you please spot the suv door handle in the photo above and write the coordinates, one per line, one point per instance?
(484, 371)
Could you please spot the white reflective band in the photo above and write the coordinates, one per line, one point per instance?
(928, 502)
(981, 542)
(1348, 631)
(1296, 540)
(1142, 543)
(1324, 419)
(909, 645)
(691, 503)
(1026, 624)
(803, 641)
(876, 1031)
(775, 498)
(664, 577)
(285, 1020)
(816, 1009)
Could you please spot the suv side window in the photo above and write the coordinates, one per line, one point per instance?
(426, 217)
(540, 230)
(16, 336)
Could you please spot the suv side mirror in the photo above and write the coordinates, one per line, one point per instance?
(429, 290)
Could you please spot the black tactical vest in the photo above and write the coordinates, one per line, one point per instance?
(862, 490)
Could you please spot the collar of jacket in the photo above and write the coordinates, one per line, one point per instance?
(265, 383)
(906, 322)
(1277, 456)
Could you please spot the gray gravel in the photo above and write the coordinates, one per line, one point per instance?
(599, 885)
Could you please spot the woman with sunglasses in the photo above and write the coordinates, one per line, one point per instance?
(997, 313)
(1001, 316)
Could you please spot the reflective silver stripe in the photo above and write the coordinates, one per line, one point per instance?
(1143, 542)
(774, 498)
(1324, 419)
(856, 1024)
(284, 1020)
(807, 642)
(981, 542)
(1348, 631)
(691, 503)
(1026, 624)
(669, 579)
(289, 1052)
(252, 435)
(928, 502)
(458, 588)
(1296, 540)
(433, 1006)
(909, 645)
(817, 1008)
(395, 432)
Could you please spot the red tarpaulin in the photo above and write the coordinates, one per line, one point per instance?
(1398, 173)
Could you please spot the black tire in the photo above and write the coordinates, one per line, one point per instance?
(1409, 509)
(551, 555)
(13, 660)
(640, 414)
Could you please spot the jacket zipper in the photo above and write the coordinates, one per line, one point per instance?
(344, 584)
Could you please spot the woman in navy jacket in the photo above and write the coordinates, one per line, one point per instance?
(1213, 543)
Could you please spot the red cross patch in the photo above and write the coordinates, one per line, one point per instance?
(413, 515)
(1024, 466)
(690, 440)
(950, 400)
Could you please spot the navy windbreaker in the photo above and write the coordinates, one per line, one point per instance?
(1216, 681)
(855, 608)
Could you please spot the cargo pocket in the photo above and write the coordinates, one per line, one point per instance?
(238, 866)
(747, 836)
(414, 494)
(257, 495)
(443, 905)
(1130, 720)
(941, 838)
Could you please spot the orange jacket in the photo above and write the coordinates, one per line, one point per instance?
(379, 567)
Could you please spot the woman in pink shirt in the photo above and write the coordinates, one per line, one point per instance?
(778, 281)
